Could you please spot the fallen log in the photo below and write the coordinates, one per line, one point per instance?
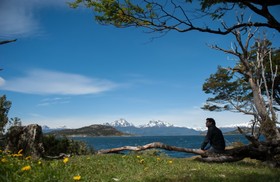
(264, 152)
(150, 146)
(60, 156)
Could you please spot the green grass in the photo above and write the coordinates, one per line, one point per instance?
(132, 167)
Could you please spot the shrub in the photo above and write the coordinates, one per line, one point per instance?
(54, 146)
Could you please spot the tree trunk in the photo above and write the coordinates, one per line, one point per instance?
(268, 126)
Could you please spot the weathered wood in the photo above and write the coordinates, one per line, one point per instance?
(252, 139)
(264, 152)
(60, 156)
(150, 146)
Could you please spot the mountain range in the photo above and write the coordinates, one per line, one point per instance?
(152, 128)
(159, 128)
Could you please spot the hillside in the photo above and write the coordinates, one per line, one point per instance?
(89, 131)
(152, 128)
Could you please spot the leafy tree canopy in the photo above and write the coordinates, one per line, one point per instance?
(230, 86)
(181, 16)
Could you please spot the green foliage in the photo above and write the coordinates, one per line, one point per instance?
(16, 121)
(5, 106)
(217, 9)
(128, 168)
(230, 86)
(162, 16)
(226, 90)
(114, 12)
(54, 146)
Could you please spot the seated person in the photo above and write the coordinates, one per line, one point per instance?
(214, 137)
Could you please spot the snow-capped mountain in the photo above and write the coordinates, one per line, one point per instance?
(152, 128)
(226, 128)
(47, 129)
(153, 123)
(120, 123)
(156, 123)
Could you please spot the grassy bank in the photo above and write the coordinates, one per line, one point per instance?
(133, 167)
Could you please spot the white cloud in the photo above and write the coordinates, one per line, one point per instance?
(53, 82)
(2, 81)
(54, 101)
(18, 18)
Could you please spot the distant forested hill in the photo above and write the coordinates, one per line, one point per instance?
(87, 131)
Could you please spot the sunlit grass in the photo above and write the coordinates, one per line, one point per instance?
(132, 167)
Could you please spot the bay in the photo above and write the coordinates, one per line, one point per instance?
(99, 143)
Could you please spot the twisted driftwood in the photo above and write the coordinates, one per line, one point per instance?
(60, 156)
(152, 145)
(206, 156)
(263, 151)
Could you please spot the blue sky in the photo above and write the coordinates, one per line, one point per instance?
(66, 70)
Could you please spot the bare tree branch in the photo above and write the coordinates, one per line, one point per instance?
(7, 41)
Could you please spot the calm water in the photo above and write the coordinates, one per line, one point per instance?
(179, 141)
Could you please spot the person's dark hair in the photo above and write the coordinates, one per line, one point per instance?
(211, 120)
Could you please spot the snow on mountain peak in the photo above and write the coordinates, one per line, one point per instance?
(121, 123)
(157, 123)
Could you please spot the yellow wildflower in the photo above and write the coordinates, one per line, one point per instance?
(158, 159)
(170, 162)
(28, 157)
(17, 155)
(26, 168)
(20, 151)
(77, 178)
(138, 156)
(39, 162)
(65, 160)
(4, 160)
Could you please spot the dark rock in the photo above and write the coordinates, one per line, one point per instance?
(27, 138)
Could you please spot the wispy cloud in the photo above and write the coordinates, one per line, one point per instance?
(18, 18)
(53, 82)
(2, 81)
(54, 101)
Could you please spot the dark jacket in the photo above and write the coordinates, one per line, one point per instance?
(215, 137)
